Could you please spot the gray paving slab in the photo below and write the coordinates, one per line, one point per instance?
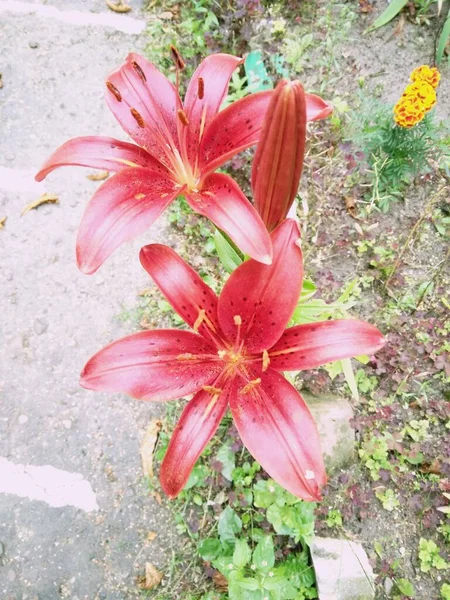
(52, 318)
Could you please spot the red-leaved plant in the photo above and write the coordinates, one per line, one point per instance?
(179, 146)
(234, 358)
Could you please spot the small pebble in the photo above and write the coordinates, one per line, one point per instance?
(10, 157)
(40, 326)
(11, 575)
(99, 280)
(33, 45)
(388, 585)
(23, 419)
(67, 423)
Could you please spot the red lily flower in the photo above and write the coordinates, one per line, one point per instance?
(234, 359)
(179, 146)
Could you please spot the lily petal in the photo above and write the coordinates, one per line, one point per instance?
(234, 129)
(215, 71)
(145, 103)
(122, 208)
(317, 108)
(99, 153)
(184, 289)
(153, 365)
(238, 127)
(278, 430)
(197, 425)
(264, 296)
(222, 201)
(314, 344)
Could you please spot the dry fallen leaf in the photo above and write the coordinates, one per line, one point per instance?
(100, 176)
(350, 205)
(153, 577)
(156, 496)
(120, 7)
(400, 25)
(2, 222)
(166, 15)
(148, 446)
(151, 535)
(220, 582)
(44, 199)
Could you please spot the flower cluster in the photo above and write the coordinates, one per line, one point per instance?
(418, 98)
(241, 343)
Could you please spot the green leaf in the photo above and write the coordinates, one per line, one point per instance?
(256, 72)
(308, 290)
(242, 554)
(228, 460)
(229, 525)
(443, 38)
(389, 13)
(378, 549)
(197, 477)
(209, 549)
(264, 494)
(405, 587)
(350, 377)
(264, 554)
(229, 255)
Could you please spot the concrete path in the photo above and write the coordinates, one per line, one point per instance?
(74, 513)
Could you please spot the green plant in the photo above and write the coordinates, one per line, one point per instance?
(375, 455)
(334, 518)
(445, 591)
(388, 499)
(392, 155)
(430, 557)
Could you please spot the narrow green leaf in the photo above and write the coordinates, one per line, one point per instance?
(389, 13)
(256, 72)
(443, 38)
(229, 255)
(350, 377)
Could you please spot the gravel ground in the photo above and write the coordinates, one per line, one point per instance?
(53, 318)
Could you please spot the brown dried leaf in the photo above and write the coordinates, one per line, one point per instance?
(148, 446)
(151, 535)
(44, 199)
(433, 467)
(400, 25)
(100, 176)
(120, 7)
(145, 292)
(350, 205)
(156, 496)
(166, 15)
(220, 582)
(2, 222)
(153, 577)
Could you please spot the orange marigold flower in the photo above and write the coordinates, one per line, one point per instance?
(428, 74)
(409, 111)
(424, 91)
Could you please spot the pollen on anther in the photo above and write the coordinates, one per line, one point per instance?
(265, 360)
(250, 385)
(139, 71)
(199, 320)
(139, 196)
(114, 91)
(237, 320)
(138, 118)
(201, 88)
(210, 389)
(183, 118)
(177, 58)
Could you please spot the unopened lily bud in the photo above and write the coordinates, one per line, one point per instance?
(278, 162)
